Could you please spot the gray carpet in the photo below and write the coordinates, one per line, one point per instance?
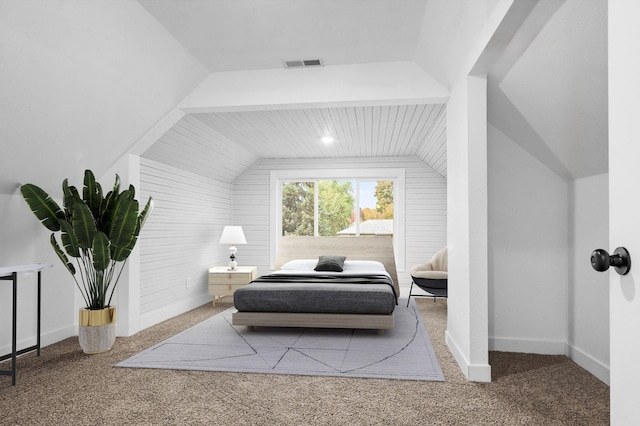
(404, 352)
(64, 386)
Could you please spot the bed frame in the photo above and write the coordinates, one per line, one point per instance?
(355, 248)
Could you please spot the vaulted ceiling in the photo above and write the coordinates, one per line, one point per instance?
(547, 92)
(550, 95)
(230, 36)
(82, 83)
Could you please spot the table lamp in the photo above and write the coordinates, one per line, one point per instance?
(232, 235)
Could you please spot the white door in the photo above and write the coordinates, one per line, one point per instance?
(624, 206)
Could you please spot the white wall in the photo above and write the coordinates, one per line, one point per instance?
(180, 239)
(70, 71)
(588, 309)
(361, 84)
(448, 30)
(425, 205)
(528, 251)
(457, 45)
(23, 240)
(544, 297)
(467, 227)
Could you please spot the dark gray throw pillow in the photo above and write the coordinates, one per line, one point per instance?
(330, 263)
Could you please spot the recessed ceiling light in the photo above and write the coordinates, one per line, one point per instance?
(327, 139)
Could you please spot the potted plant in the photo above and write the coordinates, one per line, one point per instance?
(98, 232)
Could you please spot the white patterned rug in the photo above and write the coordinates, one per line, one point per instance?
(404, 352)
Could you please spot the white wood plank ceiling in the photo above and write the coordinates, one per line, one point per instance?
(223, 145)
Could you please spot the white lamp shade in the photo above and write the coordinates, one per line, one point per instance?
(232, 235)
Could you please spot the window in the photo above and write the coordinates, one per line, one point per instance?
(338, 202)
(344, 207)
(375, 208)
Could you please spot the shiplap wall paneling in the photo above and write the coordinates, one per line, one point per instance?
(180, 239)
(434, 149)
(425, 215)
(250, 210)
(360, 131)
(425, 204)
(192, 145)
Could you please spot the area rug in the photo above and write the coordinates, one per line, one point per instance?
(404, 352)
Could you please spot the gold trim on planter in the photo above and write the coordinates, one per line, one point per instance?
(96, 317)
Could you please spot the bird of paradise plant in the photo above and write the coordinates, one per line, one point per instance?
(98, 232)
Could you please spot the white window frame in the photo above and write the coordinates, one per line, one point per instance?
(397, 175)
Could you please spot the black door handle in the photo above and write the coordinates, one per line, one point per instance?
(620, 260)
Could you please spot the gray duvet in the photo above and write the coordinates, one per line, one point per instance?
(318, 293)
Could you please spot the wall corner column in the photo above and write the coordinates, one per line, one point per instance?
(467, 224)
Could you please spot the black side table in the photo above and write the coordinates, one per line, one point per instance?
(10, 273)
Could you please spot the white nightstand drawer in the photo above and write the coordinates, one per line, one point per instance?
(223, 282)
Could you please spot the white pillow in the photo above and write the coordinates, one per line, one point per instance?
(359, 265)
(300, 265)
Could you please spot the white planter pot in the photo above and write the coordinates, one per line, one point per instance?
(97, 330)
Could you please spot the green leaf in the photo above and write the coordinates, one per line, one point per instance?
(116, 185)
(43, 206)
(70, 194)
(108, 206)
(83, 224)
(69, 239)
(120, 254)
(145, 213)
(62, 256)
(101, 253)
(92, 193)
(124, 221)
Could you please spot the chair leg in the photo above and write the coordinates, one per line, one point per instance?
(410, 289)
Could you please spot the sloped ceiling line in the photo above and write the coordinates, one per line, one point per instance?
(434, 150)
(194, 146)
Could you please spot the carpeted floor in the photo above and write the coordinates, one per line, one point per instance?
(64, 386)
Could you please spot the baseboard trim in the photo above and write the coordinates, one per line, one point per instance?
(532, 346)
(592, 365)
(167, 312)
(46, 338)
(473, 372)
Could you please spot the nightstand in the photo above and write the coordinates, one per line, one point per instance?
(223, 282)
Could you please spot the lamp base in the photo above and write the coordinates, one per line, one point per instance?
(232, 262)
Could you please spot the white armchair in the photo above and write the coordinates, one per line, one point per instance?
(431, 276)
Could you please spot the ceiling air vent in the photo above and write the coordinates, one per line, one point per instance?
(303, 63)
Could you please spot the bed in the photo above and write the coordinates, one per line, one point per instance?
(363, 295)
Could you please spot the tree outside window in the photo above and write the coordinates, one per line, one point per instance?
(297, 208)
(384, 195)
(336, 207)
(335, 203)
